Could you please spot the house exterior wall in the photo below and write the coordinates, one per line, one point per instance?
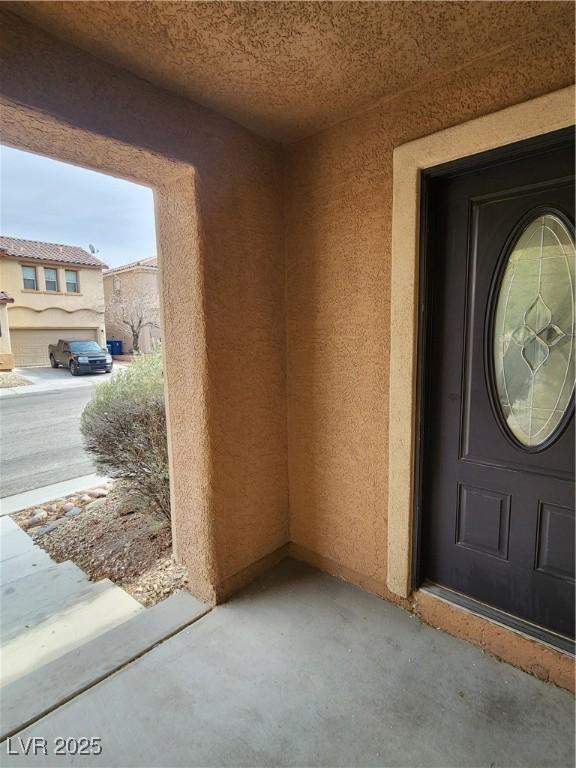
(126, 285)
(53, 309)
(338, 223)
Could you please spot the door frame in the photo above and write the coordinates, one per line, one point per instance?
(424, 413)
(542, 115)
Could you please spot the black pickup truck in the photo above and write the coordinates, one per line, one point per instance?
(80, 356)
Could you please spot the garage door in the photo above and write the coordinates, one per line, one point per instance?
(30, 347)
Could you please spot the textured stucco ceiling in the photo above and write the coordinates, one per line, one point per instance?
(288, 69)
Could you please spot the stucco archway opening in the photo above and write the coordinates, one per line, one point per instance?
(180, 280)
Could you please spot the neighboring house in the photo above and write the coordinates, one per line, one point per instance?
(57, 293)
(132, 299)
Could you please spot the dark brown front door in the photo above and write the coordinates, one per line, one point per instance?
(497, 491)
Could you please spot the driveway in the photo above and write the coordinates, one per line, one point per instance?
(48, 379)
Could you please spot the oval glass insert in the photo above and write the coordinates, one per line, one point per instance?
(533, 344)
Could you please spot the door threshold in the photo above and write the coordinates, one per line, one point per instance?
(548, 637)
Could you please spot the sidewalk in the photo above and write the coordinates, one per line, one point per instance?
(34, 389)
(10, 504)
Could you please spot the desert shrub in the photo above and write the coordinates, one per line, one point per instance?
(124, 428)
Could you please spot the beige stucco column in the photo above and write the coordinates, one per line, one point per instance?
(6, 356)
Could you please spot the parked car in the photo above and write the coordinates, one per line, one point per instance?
(80, 356)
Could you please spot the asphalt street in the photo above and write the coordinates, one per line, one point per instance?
(40, 440)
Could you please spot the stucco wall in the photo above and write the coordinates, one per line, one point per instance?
(338, 223)
(222, 282)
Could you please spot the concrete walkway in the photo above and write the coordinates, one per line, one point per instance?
(60, 632)
(49, 608)
(304, 670)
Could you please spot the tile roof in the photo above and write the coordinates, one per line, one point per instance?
(36, 250)
(150, 263)
(5, 298)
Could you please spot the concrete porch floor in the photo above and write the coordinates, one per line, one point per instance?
(302, 669)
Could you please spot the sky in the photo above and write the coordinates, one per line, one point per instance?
(44, 199)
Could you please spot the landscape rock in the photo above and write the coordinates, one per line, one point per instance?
(39, 532)
(68, 506)
(98, 493)
(38, 516)
(47, 528)
(115, 536)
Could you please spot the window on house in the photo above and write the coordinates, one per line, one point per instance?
(29, 278)
(71, 281)
(51, 279)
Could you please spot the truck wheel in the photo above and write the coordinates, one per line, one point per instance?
(53, 362)
(73, 368)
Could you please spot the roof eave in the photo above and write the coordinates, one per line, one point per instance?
(50, 262)
(133, 268)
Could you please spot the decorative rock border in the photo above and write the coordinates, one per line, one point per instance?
(43, 519)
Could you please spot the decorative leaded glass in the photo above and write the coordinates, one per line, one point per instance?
(533, 342)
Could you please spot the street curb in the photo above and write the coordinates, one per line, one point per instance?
(40, 390)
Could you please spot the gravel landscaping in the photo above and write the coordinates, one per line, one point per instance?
(109, 534)
(11, 379)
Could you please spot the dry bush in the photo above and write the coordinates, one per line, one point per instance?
(124, 428)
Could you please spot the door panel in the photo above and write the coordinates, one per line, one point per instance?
(498, 515)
